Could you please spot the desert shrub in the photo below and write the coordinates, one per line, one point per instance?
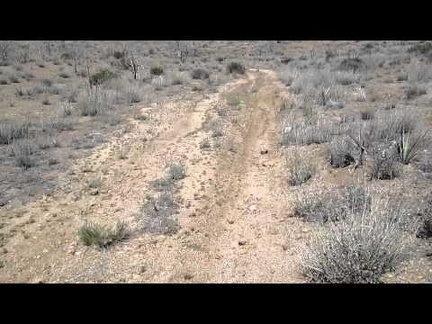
(94, 102)
(45, 101)
(413, 91)
(286, 60)
(14, 79)
(367, 114)
(13, 131)
(346, 77)
(158, 215)
(200, 74)
(162, 184)
(176, 172)
(402, 77)
(57, 124)
(178, 78)
(332, 205)
(385, 129)
(66, 108)
(421, 48)
(312, 80)
(236, 67)
(233, 99)
(46, 141)
(384, 163)
(23, 151)
(303, 133)
(47, 82)
(157, 70)
(19, 92)
(64, 75)
(352, 64)
(205, 144)
(66, 56)
(118, 54)
(216, 127)
(94, 183)
(100, 236)
(90, 105)
(134, 94)
(425, 228)
(357, 199)
(288, 75)
(159, 82)
(343, 152)
(418, 72)
(300, 169)
(358, 249)
(28, 75)
(102, 76)
(318, 207)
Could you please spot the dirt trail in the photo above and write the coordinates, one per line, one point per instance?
(234, 224)
(258, 243)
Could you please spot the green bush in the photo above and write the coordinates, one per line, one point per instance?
(352, 64)
(118, 55)
(102, 76)
(66, 56)
(236, 67)
(100, 236)
(200, 74)
(157, 70)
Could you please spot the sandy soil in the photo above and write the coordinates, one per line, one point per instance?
(234, 224)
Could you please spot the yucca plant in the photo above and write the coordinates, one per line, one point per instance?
(410, 145)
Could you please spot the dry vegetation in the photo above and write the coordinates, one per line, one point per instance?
(374, 126)
(178, 156)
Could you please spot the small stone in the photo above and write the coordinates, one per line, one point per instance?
(264, 151)
(45, 251)
(94, 192)
(242, 242)
(230, 221)
(253, 208)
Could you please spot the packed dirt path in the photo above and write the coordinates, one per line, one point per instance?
(234, 224)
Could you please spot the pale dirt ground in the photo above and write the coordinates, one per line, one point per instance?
(235, 204)
(234, 222)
